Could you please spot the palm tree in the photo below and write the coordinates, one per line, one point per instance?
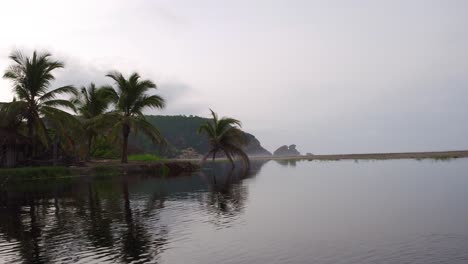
(31, 77)
(224, 136)
(131, 99)
(92, 102)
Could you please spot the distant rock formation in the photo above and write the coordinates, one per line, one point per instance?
(189, 153)
(285, 151)
(253, 146)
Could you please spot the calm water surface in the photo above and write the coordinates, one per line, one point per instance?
(306, 212)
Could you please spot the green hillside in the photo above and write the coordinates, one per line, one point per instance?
(180, 133)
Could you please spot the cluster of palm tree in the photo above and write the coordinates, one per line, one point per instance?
(45, 115)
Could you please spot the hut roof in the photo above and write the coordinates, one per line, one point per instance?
(8, 137)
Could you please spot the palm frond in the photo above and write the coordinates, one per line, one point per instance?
(225, 124)
(152, 101)
(119, 79)
(66, 126)
(109, 93)
(141, 124)
(12, 114)
(53, 114)
(60, 103)
(104, 121)
(93, 101)
(208, 129)
(54, 93)
(237, 151)
(40, 130)
(215, 116)
(148, 84)
(18, 57)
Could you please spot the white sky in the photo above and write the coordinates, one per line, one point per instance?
(328, 76)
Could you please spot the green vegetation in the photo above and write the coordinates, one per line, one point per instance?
(144, 157)
(37, 172)
(92, 103)
(39, 113)
(105, 171)
(224, 136)
(180, 133)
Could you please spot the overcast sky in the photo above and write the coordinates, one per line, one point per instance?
(328, 76)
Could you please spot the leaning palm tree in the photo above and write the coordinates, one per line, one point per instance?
(31, 78)
(92, 103)
(224, 136)
(131, 99)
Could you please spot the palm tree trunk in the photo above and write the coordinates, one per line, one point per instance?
(230, 159)
(88, 151)
(125, 133)
(55, 151)
(127, 208)
(205, 158)
(32, 147)
(75, 153)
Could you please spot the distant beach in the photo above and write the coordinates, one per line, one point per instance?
(436, 155)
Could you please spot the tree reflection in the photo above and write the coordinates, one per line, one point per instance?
(98, 227)
(22, 223)
(136, 240)
(118, 218)
(227, 195)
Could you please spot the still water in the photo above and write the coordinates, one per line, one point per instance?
(398, 211)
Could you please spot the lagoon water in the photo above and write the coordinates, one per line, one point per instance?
(395, 211)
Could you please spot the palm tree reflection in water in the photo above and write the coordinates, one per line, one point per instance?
(112, 219)
(227, 195)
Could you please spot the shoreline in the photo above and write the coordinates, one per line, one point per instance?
(380, 156)
(440, 155)
(180, 166)
(106, 167)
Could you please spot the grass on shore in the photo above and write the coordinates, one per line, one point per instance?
(144, 157)
(36, 172)
(105, 171)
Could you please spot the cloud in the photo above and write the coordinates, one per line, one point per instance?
(180, 97)
(79, 73)
(329, 76)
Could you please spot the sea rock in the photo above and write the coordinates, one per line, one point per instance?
(285, 151)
